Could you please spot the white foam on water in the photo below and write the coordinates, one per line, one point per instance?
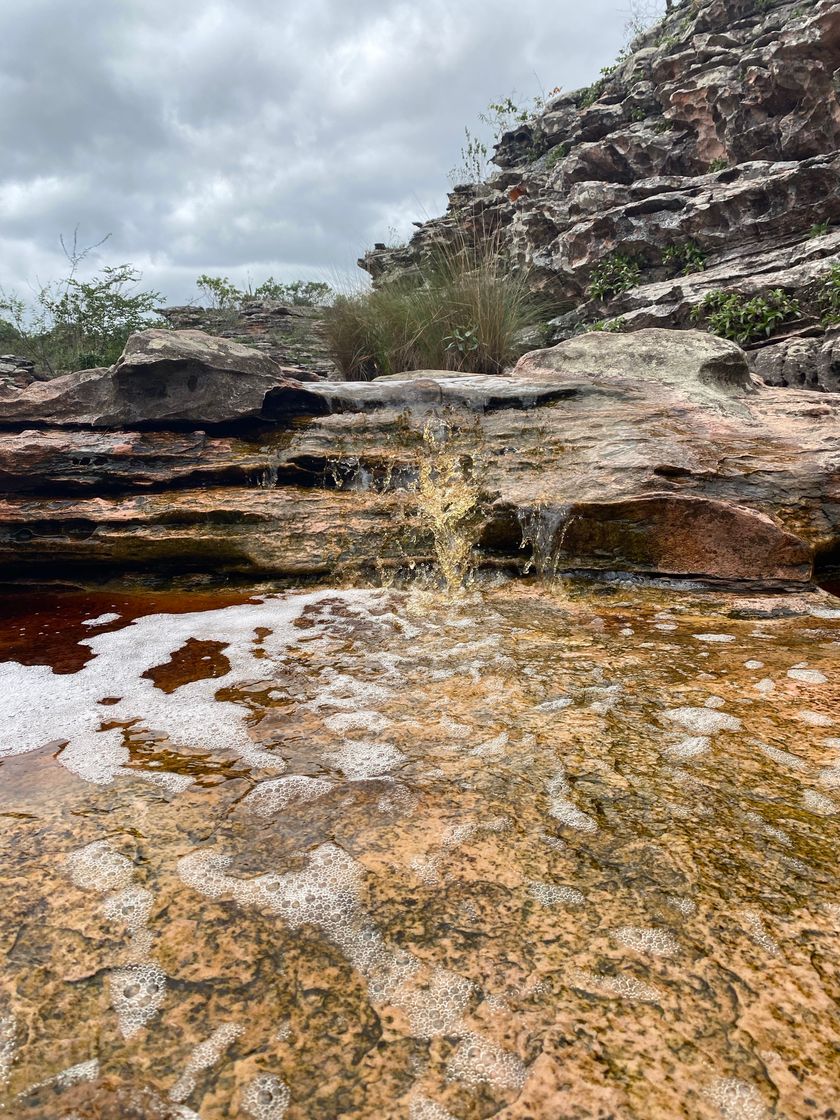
(137, 994)
(691, 747)
(833, 744)
(619, 987)
(205, 1055)
(665, 626)
(101, 620)
(722, 638)
(359, 759)
(423, 1108)
(555, 705)
(807, 676)
(753, 664)
(830, 777)
(165, 779)
(765, 685)
(563, 809)
(491, 748)
(823, 612)
(549, 894)
(685, 905)
(737, 1100)
(99, 867)
(814, 719)
(818, 803)
(277, 794)
(131, 907)
(364, 720)
(784, 758)
(658, 942)
(190, 715)
(478, 1061)
(266, 1098)
(702, 721)
(8, 1046)
(454, 729)
(757, 932)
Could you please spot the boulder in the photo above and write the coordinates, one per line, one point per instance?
(163, 378)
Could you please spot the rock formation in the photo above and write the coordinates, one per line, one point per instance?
(707, 157)
(657, 452)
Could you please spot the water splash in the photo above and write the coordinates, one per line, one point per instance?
(544, 529)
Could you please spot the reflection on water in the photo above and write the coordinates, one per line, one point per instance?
(376, 854)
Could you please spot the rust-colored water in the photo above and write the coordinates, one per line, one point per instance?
(532, 854)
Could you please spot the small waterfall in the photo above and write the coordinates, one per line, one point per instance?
(449, 502)
(544, 528)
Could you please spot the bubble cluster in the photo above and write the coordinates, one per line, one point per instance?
(807, 676)
(205, 1055)
(737, 1100)
(101, 620)
(563, 809)
(359, 759)
(423, 1108)
(691, 747)
(99, 867)
(266, 1098)
(621, 986)
(814, 719)
(549, 894)
(818, 803)
(784, 758)
(702, 721)
(137, 994)
(8, 1037)
(757, 932)
(720, 638)
(276, 794)
(478, 1061)
(658, 942)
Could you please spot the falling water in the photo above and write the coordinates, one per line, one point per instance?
(544, 528)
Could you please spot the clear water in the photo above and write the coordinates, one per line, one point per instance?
(379, 854)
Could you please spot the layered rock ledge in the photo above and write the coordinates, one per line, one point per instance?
(658, 453)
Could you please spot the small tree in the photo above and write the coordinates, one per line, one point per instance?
(220, 292)
(77, 324)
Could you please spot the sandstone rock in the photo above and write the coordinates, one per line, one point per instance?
(16, 372)
(162, 378)
(655, 452)
(807, 363)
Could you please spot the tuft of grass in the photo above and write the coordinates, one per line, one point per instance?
(462, 311)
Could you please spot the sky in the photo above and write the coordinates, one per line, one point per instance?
(250, 138)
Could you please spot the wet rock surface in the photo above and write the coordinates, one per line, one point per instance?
(718, 132)
(532, 853)
(656, 452)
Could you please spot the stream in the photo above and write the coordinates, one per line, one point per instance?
(538, 850)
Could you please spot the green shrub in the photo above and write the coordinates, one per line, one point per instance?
(299, 293)
(744, 320)
(828, 297)
(77, 324)
(719, 164)
(220, 292)
(685, 258)
(615, 274)
(558, 152)
(462, 312)
(819, 229)
(614, 326)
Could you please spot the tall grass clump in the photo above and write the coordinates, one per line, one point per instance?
(463, 310)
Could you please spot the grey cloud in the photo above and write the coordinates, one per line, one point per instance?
(256, 136)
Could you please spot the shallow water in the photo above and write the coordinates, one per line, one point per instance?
(377, 854)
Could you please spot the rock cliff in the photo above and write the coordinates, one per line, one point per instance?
(705, 160)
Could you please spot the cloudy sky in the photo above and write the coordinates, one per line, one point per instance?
(257, 137)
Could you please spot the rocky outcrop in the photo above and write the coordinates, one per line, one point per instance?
(16, 372)
(656, 452)
(162, 378)
(717, 136)
(293, 337)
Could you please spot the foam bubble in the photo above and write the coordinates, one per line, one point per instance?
(765, 685)
(423, 1108)
(277, 794)
(702, 721)
(548, 894)
(720, 638)
(8, 1046)
(358, 720)
(137, 994)
(753, 664)
(621, 986)
(691, 747)
(205, 1055)
(830, 777)
(819, 803)
(658, 942)
(101, 620)
(359, 759)
(132, 907)
(437, 1008)
(555, 705)
(782, 757)
(99, 867)
(477, 1061)
(737, 1100)
(814, 719)
(266, 1098)
(807, 676)
(758, 933)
